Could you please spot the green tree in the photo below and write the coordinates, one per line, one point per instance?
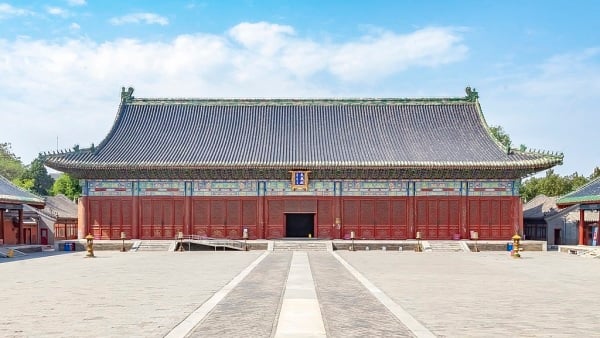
(576, 181)
(10, 165)
(595, 173)
(502, 137)
(552, 184)
(25, 183)
(36, 171)
(66, 185)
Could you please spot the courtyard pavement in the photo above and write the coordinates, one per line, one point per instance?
(251, 294)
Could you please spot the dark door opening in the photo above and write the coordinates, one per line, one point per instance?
(299, 225)
(557, 239)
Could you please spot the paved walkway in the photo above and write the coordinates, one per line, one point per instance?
(243, 294)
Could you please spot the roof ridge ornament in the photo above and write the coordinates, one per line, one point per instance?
(126, 96)
(472, 94)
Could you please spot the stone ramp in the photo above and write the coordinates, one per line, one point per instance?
(251, 309)
(11, 252)
(339, 292)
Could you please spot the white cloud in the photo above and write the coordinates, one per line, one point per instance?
(76, 2)
(70, 88)
(74, 26)
(557, 99)
(136, 18)
(7, 11)
(57, 11)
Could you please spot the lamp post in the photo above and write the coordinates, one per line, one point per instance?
(180, 237)
(245, 236)
(90, 245)
(475, 236)
(418, 236)
(123, 241)
(352, 238)
(516, 241)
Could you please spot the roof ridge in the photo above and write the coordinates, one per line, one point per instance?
(127, 98)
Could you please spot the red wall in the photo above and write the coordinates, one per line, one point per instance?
(436, 217)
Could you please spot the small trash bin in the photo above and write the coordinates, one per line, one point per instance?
(72, 246)
(509, 246)
(67, 247)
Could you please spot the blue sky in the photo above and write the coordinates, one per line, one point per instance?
(536, 64)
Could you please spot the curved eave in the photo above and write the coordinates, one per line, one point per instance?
(566, 202)
(34, 202)
(536, 165)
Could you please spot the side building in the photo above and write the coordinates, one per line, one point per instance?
(381, 168)
(17, 226)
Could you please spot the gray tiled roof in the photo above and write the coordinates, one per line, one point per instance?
(589, 193)
(540, 206)
(60, 206)
(11, 194)
(299, 134)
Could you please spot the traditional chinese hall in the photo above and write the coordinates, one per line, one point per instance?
(383, 168)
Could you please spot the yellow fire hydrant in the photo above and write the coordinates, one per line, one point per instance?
(516, 241)
(90, 245)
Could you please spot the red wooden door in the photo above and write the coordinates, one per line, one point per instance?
(44, 236)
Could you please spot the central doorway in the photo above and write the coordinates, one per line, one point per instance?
(299, 225)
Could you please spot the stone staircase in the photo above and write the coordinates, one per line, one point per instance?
(594, 253)
(304, 245)
(448, 246)
(154, 245)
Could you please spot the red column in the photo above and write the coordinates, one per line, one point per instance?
(2, 225)
(412, 231)
(188, 215)
(519, 211)
(135, 217)
(20, 237)
(261, 217)
(463, 220)
(581, 226)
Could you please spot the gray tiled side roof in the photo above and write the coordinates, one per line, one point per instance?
(11, 194)
(300, 134)
(589, 193)
(60, 205)
(540, 206)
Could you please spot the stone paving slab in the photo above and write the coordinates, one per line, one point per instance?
(113, 295)
(251, 309)
(482, 294)
(487, 294)
(348, 309)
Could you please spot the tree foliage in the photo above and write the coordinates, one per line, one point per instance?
(555, 185)
(36, 171)
(66, 185)
(502, 137)
(10, 165)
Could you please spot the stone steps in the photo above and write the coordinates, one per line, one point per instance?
(447, 246)
(154, 246)
(301, 246)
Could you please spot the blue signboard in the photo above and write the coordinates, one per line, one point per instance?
(299, 178)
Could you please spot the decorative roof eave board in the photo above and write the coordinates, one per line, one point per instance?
(5, 199)
(539, 164)
(592, 199)
(283, 173)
